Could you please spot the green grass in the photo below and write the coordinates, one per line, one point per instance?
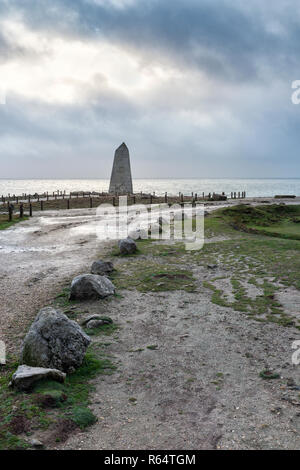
(50, 401)
(4, 224)
(273, 220)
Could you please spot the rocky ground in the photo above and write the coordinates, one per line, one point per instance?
(194, 332)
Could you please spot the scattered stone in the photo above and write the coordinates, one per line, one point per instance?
(127, 246)
(36, 443)
(103, 319)
(102, 267)
(212, 266)
(138, 234)
(91, 286)
(25, 376)
(54, 341)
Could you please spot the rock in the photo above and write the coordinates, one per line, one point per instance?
(25, 376)
(89, 286)
(95, 324)
(138, 234)
(127, 246)
(102, 267)
(36, 443)
(212, 266)
(54, 341)
(98, 318)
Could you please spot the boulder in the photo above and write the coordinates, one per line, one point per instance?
(127, 246)
(102, 267)
(91, 286)
(25, 377)
(53, 341)
(138, 234)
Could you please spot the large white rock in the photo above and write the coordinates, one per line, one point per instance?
(25, 376)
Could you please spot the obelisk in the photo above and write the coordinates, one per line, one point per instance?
(121, 181)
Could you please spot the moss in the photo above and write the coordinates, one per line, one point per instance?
(268, 375)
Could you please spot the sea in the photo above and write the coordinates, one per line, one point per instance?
(253, 187)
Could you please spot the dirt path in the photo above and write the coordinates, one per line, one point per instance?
(36, 259)
(196, 387)
(200, 387)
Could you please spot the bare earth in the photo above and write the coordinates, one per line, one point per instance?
(198, 389)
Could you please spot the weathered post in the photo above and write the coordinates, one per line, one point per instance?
(68, 203)
(21, 211)
(150, 198)
(42, 205)
(10, 212)
(166, 197)
(91, 202)
(30, 210)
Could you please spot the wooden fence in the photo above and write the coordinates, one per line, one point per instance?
(25, 204)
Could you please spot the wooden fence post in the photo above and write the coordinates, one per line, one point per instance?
(21, 211)
(42, 205)
(10, 212)
(30, 210)
(68, 203)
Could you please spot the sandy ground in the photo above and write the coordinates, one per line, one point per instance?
(199, 389)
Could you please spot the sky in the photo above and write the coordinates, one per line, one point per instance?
(196, 88)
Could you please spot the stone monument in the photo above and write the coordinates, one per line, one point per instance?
(121, 181)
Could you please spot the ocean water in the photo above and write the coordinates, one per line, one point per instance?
(253, 187)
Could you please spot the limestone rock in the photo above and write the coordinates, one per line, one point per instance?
(89, 286)
(25, 376)
(102, 267)
(127, 246)
(54, 341)
(138, 234)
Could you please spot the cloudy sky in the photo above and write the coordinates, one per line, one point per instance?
(196, 88)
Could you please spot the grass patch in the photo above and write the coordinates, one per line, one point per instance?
(4, 223)
(49, 402)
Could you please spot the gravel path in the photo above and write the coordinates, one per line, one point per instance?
(37, 258)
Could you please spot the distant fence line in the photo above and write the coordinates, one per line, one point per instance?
(46, 196)
(27, 203)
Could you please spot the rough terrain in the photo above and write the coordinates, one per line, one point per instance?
(188, 359)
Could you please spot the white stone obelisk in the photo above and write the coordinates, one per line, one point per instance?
(121, 180)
